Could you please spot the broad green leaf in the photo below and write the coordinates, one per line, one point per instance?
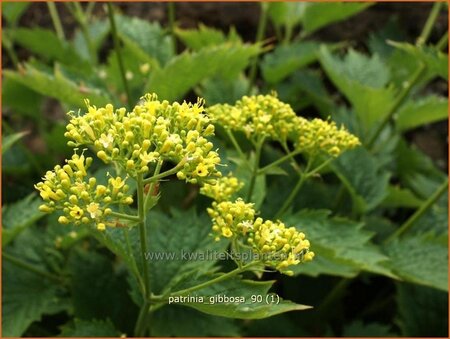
(420, 259)
(362, 80)
(90, 328)
(9, 140)
(320, 14)
(12, 11)
(420, 112)
(179, 245)
(196, 39)
(377, 41)
(47, 45)
(286, 13)
(99, 290)
(436, 61)
(285, 59)
(241, 305)
(98, 31)
(26, 298)
(364, 177)
(359, 329)
(342, 246)
(29, 101)
(401, 197)
(422, 311)
(148, 36)
(223, 91)
(19, 216)
(192, 323)
(186, 70)
(57, 85)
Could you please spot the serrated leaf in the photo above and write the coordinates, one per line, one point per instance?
(191, 323)
(12, 11)
(285, 59)
(362, 80)
(242, 306)
(422, 311)
(186, 70)
(196, 39)
(18, 216)
(26, 298)
(420, 259)
(286, 13)
(58, 86)
(364, 177)
(401, 197)
(420, 112)
(148, 36)
(90, 328)
(435, 60)
(47, 45)
(318, 15)
(343, 244)
(223, 91)
(9, 140)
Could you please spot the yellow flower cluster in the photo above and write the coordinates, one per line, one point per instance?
(276, 245)
(223, 189)
(81, 200)
(256, 116)
(154, 131)
(319, 136)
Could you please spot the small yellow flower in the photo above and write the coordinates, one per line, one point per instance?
(94, 210)
(226, 232)
(76, 212)
(201, 170)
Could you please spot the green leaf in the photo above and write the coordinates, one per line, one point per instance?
(435, 60)
(422, 311)
(47, 45)
(426, 110)
(186, 70)
(197, 39)
(9, 140)
(342, 246)
(320, 14)
(179, 245)
(148, 36)
(12, 11)
(223, 91)
(401, 197)
(98, 31)
(241, 304)
(26, 298)
(286, 13)
(362, 80)
(285, 59)
(359, 329)
(18, 216)
(191, 323)
(364, 177)
(29, 99)
(90, 328)
(58, 86)
(420, 259)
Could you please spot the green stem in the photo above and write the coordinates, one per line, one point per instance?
(262, 23)
(442, 43)
(398, 102)
(235, 143)
(220, 278)
(143, 233)
(31, 268)
(119, 54)
(334, 294)
(288, 34)
(56, 20)
(166, 173)
(125, 216)
(426, 31)
(171, 16)
(419, 212)
(303, 176)
(255, 168)
(279, 161)
(79, 16)
(139, 328)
